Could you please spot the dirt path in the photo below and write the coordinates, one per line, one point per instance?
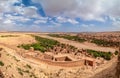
(81, 45)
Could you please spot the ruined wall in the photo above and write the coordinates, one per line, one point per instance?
(64, 64)
(90, 63)
(60, 59)
(48, 57)
(63, 59)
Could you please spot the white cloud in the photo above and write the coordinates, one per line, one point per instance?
(16, 18)
(7, 21)
(85, 9)
(7, 5)
(64, 20)
(87, 25)
(73, 21)
(30, 12)
(116, 24)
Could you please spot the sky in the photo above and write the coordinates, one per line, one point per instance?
(60, 15)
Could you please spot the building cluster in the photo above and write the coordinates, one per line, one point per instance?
(64, 57)
(115, 37)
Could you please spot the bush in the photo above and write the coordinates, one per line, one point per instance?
(28, 66)
(116, 53)
(104, 43)
(105, 55)
(20, 71)
(1, 63)
(74, 38)
(9, 35)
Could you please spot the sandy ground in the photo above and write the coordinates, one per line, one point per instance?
(14, 41)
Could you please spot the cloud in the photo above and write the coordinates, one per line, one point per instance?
(59, 13)
(7, 21)
(60, 19)
(20, 17)
(85, 9)
(116, 24)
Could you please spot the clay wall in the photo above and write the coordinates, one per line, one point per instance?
(89, 62)
(64, 64)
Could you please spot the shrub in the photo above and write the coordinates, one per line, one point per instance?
(74, 38)
(105, 55)
(116, 53)
(20, 71)
(1, 63)
(104, 42)
(28, 66)
(9, 35)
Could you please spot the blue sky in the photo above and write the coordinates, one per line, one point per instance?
(60, 15)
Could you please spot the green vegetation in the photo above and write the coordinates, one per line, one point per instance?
(104, 43)
(7, 54)
(43, 44)
(20, 71)
(9, 36)
(105, 55)
(26, 71)
(1, 63)
(16, 59)
(74, 38)
(33, 75)
(28, 66)
(116, 53)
